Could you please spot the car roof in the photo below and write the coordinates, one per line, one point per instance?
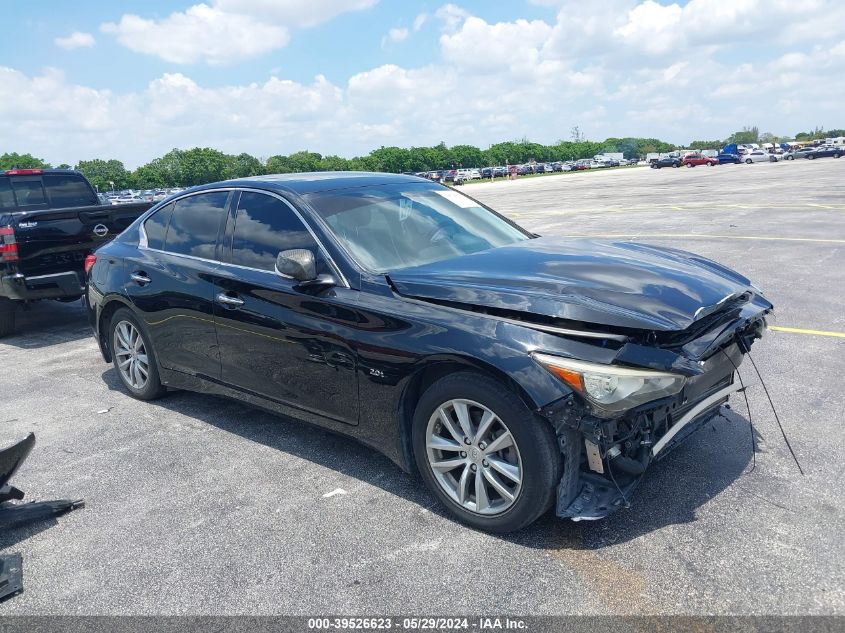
(313, 182)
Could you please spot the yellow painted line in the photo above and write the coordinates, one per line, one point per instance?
(795, 330)
(707, 235)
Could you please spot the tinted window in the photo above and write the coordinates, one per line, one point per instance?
(264, 226)
(28, 191)
(68, 190)
(156, 227)
(7, 198)
(194, 224)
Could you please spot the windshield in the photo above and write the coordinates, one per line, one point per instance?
(388, 227)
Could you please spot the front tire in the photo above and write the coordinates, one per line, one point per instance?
(133, 357)
(484, 454)
(810, 157)
(748, 161)
(7, 316)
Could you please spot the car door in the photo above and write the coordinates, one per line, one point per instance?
(171, 283)
(284, 342)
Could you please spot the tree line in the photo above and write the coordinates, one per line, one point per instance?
(203, 164)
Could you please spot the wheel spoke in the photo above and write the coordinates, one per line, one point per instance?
(462, 411)
(486, 420)
(124, 363)
(450, 426)
(443, 444)
(482, 502)
(498, 485)
(462, 485)
(142, 358)
(449, 464)
(503, 441)
(508, 470)
(142, 370)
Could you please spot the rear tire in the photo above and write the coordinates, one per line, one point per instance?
(473, 496)
(133, 357)
(810, 157)
(748, 161)
(7, 316)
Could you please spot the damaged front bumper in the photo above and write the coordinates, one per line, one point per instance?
(606, 457)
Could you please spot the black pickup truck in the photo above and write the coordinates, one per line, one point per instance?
(50, 220)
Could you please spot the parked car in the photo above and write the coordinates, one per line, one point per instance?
(726, 158)
(826, 151)
(692, 160)
(666, 161)
(798, 153)
(409, 316)
(759, 156)
(50, 220)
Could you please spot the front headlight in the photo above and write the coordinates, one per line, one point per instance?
(612, 388)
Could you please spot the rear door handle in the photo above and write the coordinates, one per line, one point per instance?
(229, 301)
(140, 278)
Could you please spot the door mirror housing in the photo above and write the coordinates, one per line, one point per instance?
(298, 264)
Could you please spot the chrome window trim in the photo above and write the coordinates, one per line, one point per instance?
(144, 244)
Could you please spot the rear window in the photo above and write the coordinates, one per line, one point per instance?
(68, 190)
(28, 191)
(194, 224)
(156, 227)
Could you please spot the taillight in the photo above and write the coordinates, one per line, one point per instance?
(8, 244)
(90, 260)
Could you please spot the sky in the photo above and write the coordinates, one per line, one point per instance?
(133, 79)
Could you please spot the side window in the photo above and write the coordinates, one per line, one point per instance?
(264, 226)
(194, 224)
(29, 191)
(68, 190)
(156, 227)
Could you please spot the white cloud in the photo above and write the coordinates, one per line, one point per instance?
(77, 39)
(199, 33)
(298, 13)
(226, 31)
(420, 21)
(395, 35)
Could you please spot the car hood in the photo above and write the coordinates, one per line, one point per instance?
(618, 284)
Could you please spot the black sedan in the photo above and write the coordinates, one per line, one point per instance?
(514, 372)
(666, 161)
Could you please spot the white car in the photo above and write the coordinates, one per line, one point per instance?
(759, 156)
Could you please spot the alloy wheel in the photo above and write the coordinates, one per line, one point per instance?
(131, 354)
(474, 457)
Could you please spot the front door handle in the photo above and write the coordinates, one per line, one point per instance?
(140, 278)
(229, 301)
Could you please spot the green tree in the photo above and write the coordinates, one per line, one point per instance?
(242, 166)
(102, 173)
(745, 135)
(706, 144)
(12, 160)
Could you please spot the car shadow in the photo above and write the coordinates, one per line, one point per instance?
(670, 493)
(46, 323)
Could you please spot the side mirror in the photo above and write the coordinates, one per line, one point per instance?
(297, 263)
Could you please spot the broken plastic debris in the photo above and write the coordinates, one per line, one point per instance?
(334, 493)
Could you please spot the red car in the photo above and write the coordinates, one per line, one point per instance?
(691, 160)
